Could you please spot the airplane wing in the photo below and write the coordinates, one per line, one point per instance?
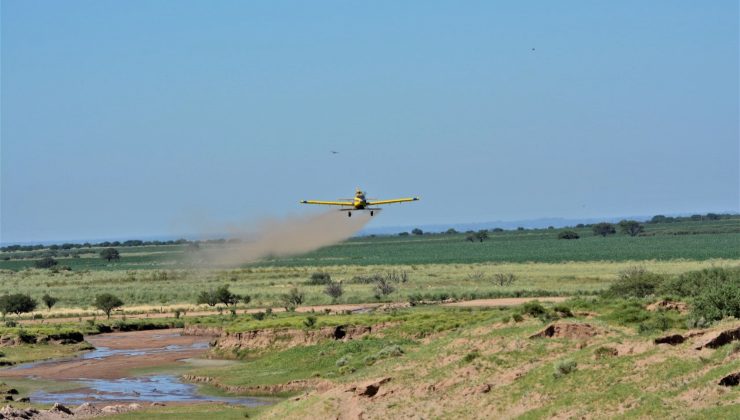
(328, 203)
(395, 200)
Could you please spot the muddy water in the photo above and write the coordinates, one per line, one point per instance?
(106, 373)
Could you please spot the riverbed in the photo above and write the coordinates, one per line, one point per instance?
(110, 373)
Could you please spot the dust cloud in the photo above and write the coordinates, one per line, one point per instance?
(282, 237)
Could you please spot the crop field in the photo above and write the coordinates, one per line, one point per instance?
(693, 240)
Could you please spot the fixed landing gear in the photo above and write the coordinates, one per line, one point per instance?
(349, 214)
(371, 213)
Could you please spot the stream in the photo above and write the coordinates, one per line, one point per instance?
(104, 375)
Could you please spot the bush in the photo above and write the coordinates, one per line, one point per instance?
(46, 262)
(319, 278)
(565, 367)
(258, 316)
(383, 288)
(471, 356)
(390, 351)
(504, 279)
(604, 229)
(342, 361)
(635, 282)
(720, 301)
(563, 311)
(517, 317)
(334, 290)
(534, 309)
(292, 299)
(568, 234)
(310, 321)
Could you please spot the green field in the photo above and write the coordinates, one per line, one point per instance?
(694, 240)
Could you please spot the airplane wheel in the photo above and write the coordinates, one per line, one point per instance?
(349, 214)
(371, 213)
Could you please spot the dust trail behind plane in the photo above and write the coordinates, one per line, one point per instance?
(283, 237)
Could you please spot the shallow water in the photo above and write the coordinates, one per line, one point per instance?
(154, 388)
(161, 387)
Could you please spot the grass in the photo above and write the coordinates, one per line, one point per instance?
(152, 289)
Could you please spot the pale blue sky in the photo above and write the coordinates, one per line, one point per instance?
(139, 118)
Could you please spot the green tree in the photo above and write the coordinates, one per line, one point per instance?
(110, 254)
(604, 229)
(481, 235)
(224, 296)
(49, 300)
(17, 303)
(451, 231)
(107, 302)
(417, 231)
(46, 262)
(207, 297)
(631, 227)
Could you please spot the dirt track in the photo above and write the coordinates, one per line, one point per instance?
(313, 308)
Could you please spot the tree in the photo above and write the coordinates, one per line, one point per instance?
(481, 235)
(334, 290)
(107, 302)
(568, 234)
(16, 304)
(110, 254)
(224, 296)
(604, 229)
(46, 262)
(49, 300)
(451, 231)
(403, 234)
(631, 227)
(417, 231)
(207, 297)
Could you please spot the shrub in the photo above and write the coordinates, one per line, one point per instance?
(563, 311)
(110, 254)
(383, 288)
(603, 352)
(46, 262)
(471, 356)
(568, 234)
(207, 297)
(534, 309)
(604, 229)
(635, 282)
(292, 299)
(390, 351)
(720, 301)
(342, 361)
(504, 279)
(319, 278)
(310, 321)
(258, 316)
(517, 317)
(565, 367)
(334, 290)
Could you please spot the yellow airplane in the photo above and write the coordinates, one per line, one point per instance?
(359, 203)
